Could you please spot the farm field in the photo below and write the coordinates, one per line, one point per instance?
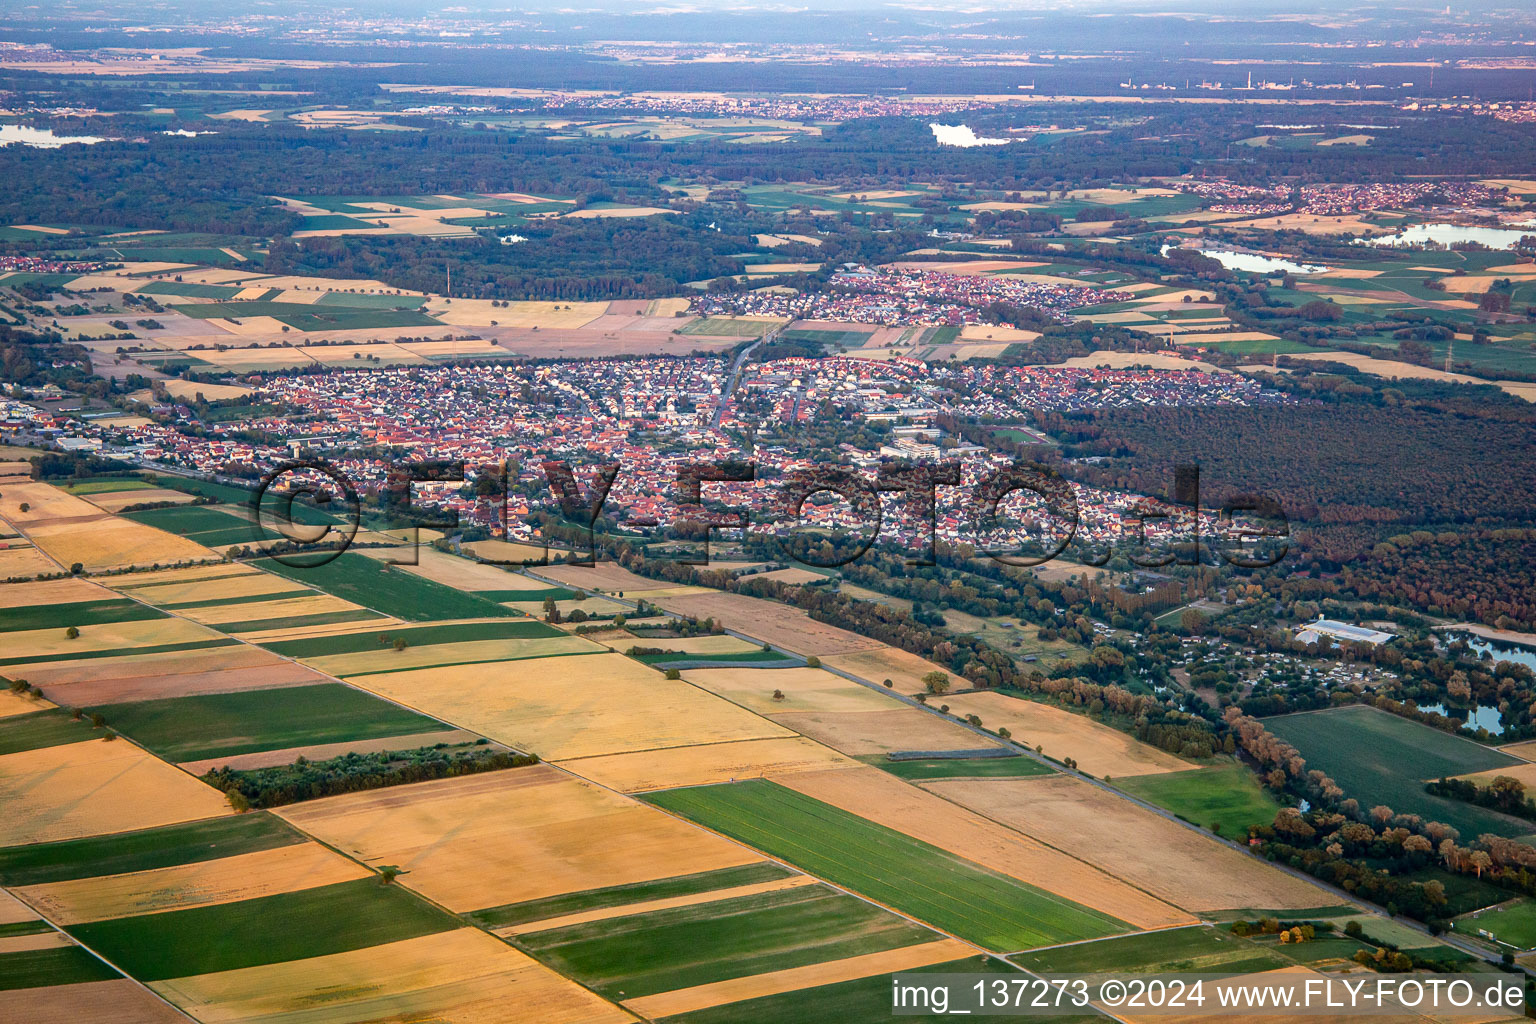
(297, 925)
(706, 764)
(504, 840)
(144, 849)
(904, 670)
(901, 729)
(963, 898)
(206, 883)
(769, 621)
(1201, 948)
(645, 954)
(562, 708)
(94, 788)
(922, 769)
(177, 673)
(1226, 795)
(1133, 844)
(1098, 749)
(985, 840)
(387, 589)
(204, 525)
(209, 726)
(86, 1002)
(803, 689)
(1386, 759)
(460, 974)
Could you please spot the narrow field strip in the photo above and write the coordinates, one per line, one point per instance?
(931, 884)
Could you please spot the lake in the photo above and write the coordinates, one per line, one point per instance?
(1498, 652)
(41, 138)
(1482, 716)
(1451, 234)
(1256, 263)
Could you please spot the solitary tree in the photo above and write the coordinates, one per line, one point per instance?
(936, 682)
(813, 662)
(72, 633)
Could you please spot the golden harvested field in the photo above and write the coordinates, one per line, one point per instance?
(1526, 773)
(544, 315)
(1156, 360)
(777, 624)
(323, 629)
(507, 837)
(45, 503)
(707, 764)
(794, 979)
(124, 636)
(17, 704)
(309, 604)
(905, 670)
(1145, 849)
(722, 643)
(325, 751)
(1098, 749)
(169, 674)
(464, 977)
(65, 591)
(93, 1002)
(246, 876)
(857, 733)
(200, 587)
(561, 708)
(509, 551)
(1525, 750)
(791, 576)
(111, 543)
(887, 800)
(804, 689)
(22, 560)
(607, 577)
(13, 911)
(456, 572)
(93, 788)
(389, 660)
(183, 575)
(116, 501)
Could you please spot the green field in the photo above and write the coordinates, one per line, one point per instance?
(77, 613)
(359, 300)
(623, 895)
(862, 1001)
(191, 291)
(144, 850)
(722, 328)
(38, 729)
(640, 955)
(64, 965)
(1514, 924)
(960, 768)
(1197, 949)
(415, 636)
(209, 527)
(295, 621)
(1379, 758)
(226, 724)
(377, 585)
(1226, 795)
(339, 318)
(931, 884)
(269, 930)
(101, 485)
